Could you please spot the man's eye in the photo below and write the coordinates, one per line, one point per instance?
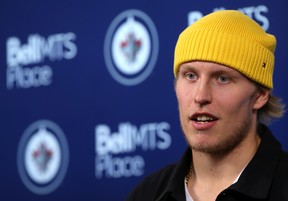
(223, 79)
(191, 76)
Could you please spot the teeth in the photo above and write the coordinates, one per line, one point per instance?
(204, 118)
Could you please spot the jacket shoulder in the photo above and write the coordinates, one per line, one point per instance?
(280, 181)
(283, 165)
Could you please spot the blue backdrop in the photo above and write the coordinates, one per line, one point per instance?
(87, 100)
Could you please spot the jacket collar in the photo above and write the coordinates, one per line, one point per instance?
(175, 186)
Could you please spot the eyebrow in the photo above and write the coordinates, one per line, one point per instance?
(222, 70)
(192, 67)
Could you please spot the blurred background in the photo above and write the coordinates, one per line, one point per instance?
(87, 105)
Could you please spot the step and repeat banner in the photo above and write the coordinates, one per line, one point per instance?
(87, 105)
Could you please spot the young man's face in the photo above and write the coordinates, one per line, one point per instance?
(217, 105)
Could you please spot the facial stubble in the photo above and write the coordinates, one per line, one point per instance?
(227, 144)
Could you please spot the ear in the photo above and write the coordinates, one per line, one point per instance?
(261, 98)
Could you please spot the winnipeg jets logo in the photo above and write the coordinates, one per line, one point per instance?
(131, 47)
(42, 157)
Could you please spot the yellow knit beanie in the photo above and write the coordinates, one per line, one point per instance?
(230, 38)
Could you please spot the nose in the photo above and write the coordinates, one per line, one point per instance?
(203, 94)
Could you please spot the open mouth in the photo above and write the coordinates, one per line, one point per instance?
(203, 118)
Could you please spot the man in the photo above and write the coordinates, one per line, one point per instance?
(223, 67)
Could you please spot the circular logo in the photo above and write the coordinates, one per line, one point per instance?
(42, 157)
(131, 47)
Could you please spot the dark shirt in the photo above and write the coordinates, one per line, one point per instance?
(264, 178)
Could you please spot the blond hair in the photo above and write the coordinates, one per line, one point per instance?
(272, 110)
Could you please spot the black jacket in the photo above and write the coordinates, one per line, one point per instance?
(264, 178)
